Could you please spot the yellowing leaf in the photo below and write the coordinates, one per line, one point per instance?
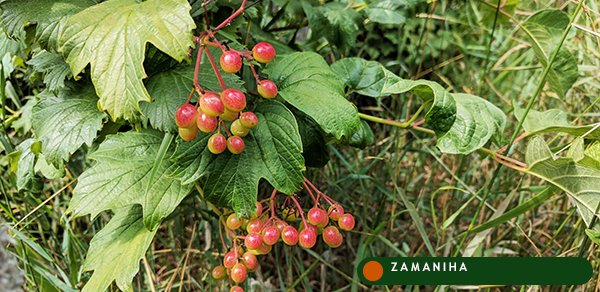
(112, 37)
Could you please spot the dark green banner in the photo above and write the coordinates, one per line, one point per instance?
(475, 271)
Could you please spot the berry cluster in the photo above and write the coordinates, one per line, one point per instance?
(288, 223)
(224, 110)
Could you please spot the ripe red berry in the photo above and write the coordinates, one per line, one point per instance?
(250, 261)
(188, 134)
(248, 120)
(238, 130)
(318, 217)
(236, 289)
(232, 222)
(219, 273)
(217, 143)
(254, 225)
(231, 62)
(233, 99)
(267, 89)
(263, 52)
(335, 212)
(211, 104)
(206, 123)
(185, 116)
(253, 240)
(332, 237)
(229, 259)
(270, 235)
(346, 222)
(238, 273)
(235, 144)
(307, 238)
(289, 235)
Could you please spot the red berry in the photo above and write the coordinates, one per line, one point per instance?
(229, 116)
(229, 259)
(332, 236)
(206, 123)
(248, 120)
(289, 235)
(318, 217)
(235, 144)
(250, 261)
(253, 240)
(259, 210)
(335, 212)
(346, 222)
(188, 134)
(232, 222)
(254, 225)
(267, 89)
(185, 116)
(219, 273)
(236, 289)
(233, 99)
(231, 62)
(270, 235)
(238, 130)
(238, 273)
(307, 238)
(211, 104)
(263, 52)
(280, 224)
(217, 143)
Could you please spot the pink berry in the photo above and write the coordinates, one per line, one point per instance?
(248, 120)
(254, 225)
(217, 143)
(233, 99)
(332, 237)
(238, 273)
(307, 238)
(185, 116)
(253, 240)
(236, 289)
(250, 261)
(335, 212)
(229, 259)
(346, 222)
(289, 235)
(232, 222)
(267, 89)
(235, 144)
(318, 217)
(211, 104)
(206, 123)
(263, 52)
(219, 273)
(270, 235)
(231, 62)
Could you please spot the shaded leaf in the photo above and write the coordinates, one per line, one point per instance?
(336, 22)
(53, 66)
(116, 250)
(363, 137)
(306, 82)
(25, 163)
(112, 37)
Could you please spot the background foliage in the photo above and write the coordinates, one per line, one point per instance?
(471, 70)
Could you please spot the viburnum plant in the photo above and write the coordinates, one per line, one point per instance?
(134, 89)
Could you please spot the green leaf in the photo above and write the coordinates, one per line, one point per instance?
(314, 144)
(580, 182)
(121, 176)
(386, 11)
(50, 16)
(463, 123)
(337, 22)
(363, 137)
(112, 37)
(65, 121)
(25, 163)
(553, 121)
(273, 151)
(477, 120)
(54, 67)
(115, 252)
(306, 82)
(594, 235)
(170, 89)
(545, 29)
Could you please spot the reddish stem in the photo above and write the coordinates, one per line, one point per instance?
(191, 95)
(197, 70)
(310, 192)
(326, 197)
(273, 198)
(216, 69)
(254, 72)
(227, 21)
(299, 210)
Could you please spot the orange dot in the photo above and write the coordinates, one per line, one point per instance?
(372, 271)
